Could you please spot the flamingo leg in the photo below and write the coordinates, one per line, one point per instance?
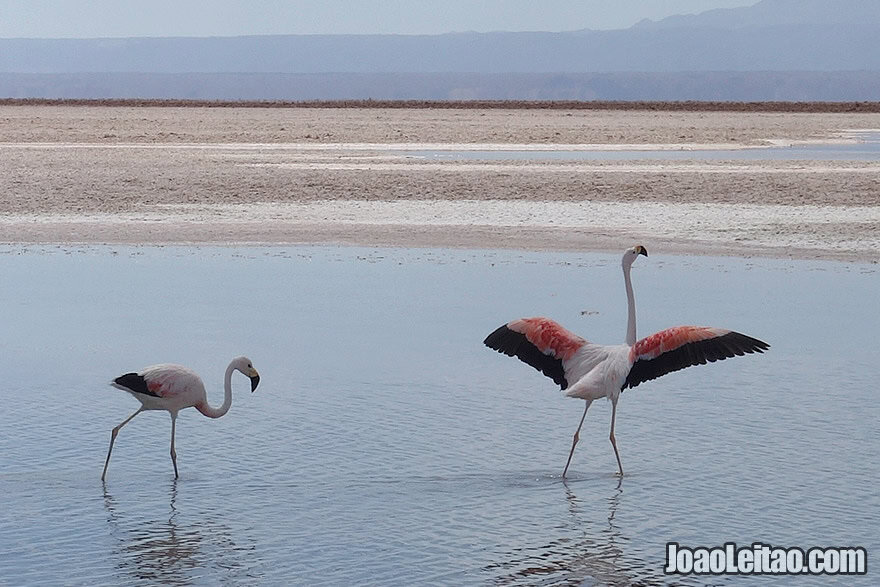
(613, 440)
(173, 452)
(575, 439)
(113, 439)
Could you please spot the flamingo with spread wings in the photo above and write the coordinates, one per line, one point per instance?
(590, 371)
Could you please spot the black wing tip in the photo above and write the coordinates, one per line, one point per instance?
(746, 343)
(493, 341)
(135, 383)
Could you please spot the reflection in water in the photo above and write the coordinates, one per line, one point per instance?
(168, 549)
(588, 552)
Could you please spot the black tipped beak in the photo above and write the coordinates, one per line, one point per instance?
(644, 251)
(255, 381)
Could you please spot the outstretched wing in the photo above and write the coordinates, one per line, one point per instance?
(539, 342)
(683, 346)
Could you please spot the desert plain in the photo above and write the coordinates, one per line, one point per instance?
(448, 177)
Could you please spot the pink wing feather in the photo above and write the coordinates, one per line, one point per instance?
(539, 342)
(169, 380)
(548, 336)
(670, 339)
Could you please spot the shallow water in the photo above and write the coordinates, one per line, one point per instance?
(866, 149)
(386, 445)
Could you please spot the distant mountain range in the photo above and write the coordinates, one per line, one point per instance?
(773, 50)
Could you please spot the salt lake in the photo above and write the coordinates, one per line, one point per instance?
(386, 445)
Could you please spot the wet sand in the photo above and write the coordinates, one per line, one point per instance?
(350, 175)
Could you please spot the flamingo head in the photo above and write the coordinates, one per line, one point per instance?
(244, 365)
(631, 254)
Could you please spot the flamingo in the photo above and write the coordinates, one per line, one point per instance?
(589, 371)
(173, 388)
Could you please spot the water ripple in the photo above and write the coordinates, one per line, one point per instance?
(386, 446)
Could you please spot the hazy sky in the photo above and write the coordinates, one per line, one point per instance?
(141, 18)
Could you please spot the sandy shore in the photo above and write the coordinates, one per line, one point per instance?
(389, 177)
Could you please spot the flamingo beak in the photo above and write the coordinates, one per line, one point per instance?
(643, 250)
(255, 381)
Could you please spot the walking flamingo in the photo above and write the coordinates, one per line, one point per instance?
(590, 371)
(173, 388)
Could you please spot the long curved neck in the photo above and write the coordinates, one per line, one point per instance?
(631, 303)
(213, 412)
